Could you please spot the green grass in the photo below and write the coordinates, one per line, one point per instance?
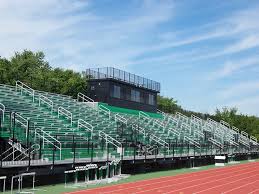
(59, 188)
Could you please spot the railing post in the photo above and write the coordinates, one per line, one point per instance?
(29, 164)
(107, 147)
(122, 151)
(13, 126)
(88, 147)
(92, 152)
(194, 150)
(40, 155)
(173, 149)
(1, 121)
(145, 154)
(53, 156)
(28, 133)
(134, 159)
(74, 151)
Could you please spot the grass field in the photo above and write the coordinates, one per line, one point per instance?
(60, 188)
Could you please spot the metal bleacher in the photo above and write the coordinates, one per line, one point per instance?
(51, 126)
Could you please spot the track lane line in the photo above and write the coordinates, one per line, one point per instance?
(152, 181)
(164, 177)
(174, 178)
(231, 182)
(228, 191)
(199, 179)
(257, 190)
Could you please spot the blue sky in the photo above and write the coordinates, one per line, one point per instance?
(204, 53)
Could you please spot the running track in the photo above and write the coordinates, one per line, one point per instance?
(237, 179)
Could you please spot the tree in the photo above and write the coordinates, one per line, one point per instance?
(249, 124)
(32, 69)
(168, 105)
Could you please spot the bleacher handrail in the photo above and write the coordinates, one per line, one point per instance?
(120, 118)
(23, 86)
(226, 124)
(159, 140)
(86, 125)
(139, 129)
(200, 134)
(192, 141)
(253, 138)
(161, 112)
(215, 123)
(234, 143)
(186, 126)
(175, 132)
(6, 151)
(215, 142)
(44, 135)
(159, 123)
(20, 119)
(105, 109)
(182, 116)
(240, 140)
(110, 139)
(2, 109)
(171, 118)
(63, 111)
(84, 97)
(235, 129)
(16, 145)
(196, 119)
(47, 101)
(32, 150)
(244, 133)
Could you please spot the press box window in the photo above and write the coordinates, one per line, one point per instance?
(116, 93)
(135, 95)
(151, 99)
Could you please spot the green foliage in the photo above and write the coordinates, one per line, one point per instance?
(249, 124)
(32, 69)
(168, 105)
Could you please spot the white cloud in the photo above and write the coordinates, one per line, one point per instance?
(248, 105)
(72, 35)
(241, 28)
(231, 67)
(240, 89)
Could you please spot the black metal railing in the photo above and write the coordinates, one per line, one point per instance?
(110, 72)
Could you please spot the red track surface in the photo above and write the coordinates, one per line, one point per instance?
(236, 179)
